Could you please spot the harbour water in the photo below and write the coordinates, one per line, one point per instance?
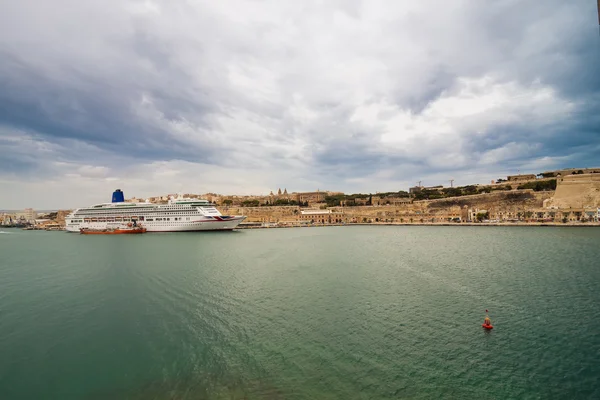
(358, 312)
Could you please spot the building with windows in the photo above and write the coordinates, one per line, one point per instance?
(28, 215)
(321, 217)
(521, 178)
(311, 197)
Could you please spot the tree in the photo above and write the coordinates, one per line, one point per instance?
(481, 216)
(285, 202)
(471, 189)
(227, 202)
(250, 203)
(334, 201)
(452, 192)
(539, 186)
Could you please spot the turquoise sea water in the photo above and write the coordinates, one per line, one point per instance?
(353, 312)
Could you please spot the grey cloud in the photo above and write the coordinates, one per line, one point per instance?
(135, 82)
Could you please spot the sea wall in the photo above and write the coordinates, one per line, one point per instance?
(513, 201)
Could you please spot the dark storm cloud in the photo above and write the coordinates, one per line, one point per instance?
(439, 81)
(556, 43)
(22, 159)
(95, 110)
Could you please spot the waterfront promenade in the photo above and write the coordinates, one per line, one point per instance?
(464, 224)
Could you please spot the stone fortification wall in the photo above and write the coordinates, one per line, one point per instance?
(571, 171)
(577, 198)
(264, 214)
(520, 199)
(497, 203)
(577, 191)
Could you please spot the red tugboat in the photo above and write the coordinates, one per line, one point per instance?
(135, 229)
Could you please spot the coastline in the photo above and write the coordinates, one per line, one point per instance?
(463, 224)
(520, 224)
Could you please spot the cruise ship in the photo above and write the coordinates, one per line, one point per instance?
(178, 215)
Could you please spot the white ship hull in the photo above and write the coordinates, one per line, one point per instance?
(178, 215)
(185, 226)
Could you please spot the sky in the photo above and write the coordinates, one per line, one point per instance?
(245, 97)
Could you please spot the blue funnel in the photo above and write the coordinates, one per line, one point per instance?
(118, 196)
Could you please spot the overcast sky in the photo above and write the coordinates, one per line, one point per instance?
(245, 97)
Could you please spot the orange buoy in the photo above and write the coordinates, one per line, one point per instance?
(487, 323)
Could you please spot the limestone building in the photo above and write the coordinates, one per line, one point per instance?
(321, 217)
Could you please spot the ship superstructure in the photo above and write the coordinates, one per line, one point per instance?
(177, 215)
